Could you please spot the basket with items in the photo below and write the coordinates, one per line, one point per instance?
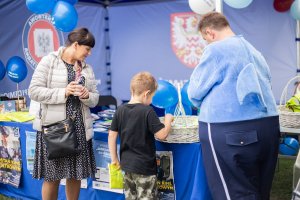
(289, 110)
(184, 127)
(184, 130)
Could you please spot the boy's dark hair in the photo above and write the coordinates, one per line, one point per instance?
(82, 36)
(214, 20)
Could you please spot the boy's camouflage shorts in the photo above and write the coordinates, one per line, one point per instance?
(140, 187)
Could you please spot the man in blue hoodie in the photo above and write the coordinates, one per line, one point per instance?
(238, 121)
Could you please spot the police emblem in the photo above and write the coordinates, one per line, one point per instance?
(186, 40)
(39, 38)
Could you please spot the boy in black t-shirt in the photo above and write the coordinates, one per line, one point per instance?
(137, 124)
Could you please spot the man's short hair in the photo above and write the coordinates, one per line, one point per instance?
(214, 20)
(142, 82)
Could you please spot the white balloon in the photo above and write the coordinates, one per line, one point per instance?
(202, 6)
(238, 3)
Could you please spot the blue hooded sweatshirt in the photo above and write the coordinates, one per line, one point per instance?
(232, 83)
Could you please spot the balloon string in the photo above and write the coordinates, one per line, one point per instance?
(18, 108)
(179, 110)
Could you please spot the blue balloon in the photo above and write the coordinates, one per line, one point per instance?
(64, 16)
(171, 110)
(184, 95)
(73, 2)
(238, 3)
(2, 70)
(165, 96)
(295, 10)
(187, 109)
(289, 146)
(40, 6)
(16, 69)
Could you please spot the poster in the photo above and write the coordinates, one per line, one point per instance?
(30, 149)
(102, 156)
(165, 175)
(10, 156)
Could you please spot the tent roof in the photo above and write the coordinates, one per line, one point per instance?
(115, 2)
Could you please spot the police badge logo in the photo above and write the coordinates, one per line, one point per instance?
(39, 38)
(186, 40)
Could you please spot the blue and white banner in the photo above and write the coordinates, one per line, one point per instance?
(159, 37)
(31, 36)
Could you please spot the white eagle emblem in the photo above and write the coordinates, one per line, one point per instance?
(186, 40)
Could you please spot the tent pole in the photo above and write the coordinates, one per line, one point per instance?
(298, 45)
(219, 6)
(108, 50)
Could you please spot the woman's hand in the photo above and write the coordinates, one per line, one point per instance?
(84, 93)
(71, 88)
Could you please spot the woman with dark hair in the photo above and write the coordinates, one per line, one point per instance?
(63, 83)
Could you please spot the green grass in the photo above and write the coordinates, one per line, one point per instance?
(4, 197)
(282, 187)
(282, 183)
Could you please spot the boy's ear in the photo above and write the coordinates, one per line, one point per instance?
(148, 92)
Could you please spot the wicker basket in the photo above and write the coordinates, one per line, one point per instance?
(184, 128)
(287, 117)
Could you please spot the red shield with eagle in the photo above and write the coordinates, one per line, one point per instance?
(186, 40)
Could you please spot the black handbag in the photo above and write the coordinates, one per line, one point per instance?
(60, 138)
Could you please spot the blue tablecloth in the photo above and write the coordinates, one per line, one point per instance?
(189, 176)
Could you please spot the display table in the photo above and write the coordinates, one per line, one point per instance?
(189, 175)
(292, 131)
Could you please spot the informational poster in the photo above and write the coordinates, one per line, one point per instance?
(10, 156)
(101, 180)
(165, 175)
(30, 149)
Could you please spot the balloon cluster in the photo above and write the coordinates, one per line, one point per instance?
(15, 68)
(204, 6)
(166, 97)
(64, 14)
(285, 5)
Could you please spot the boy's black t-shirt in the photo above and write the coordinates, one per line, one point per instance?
(136, 125)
